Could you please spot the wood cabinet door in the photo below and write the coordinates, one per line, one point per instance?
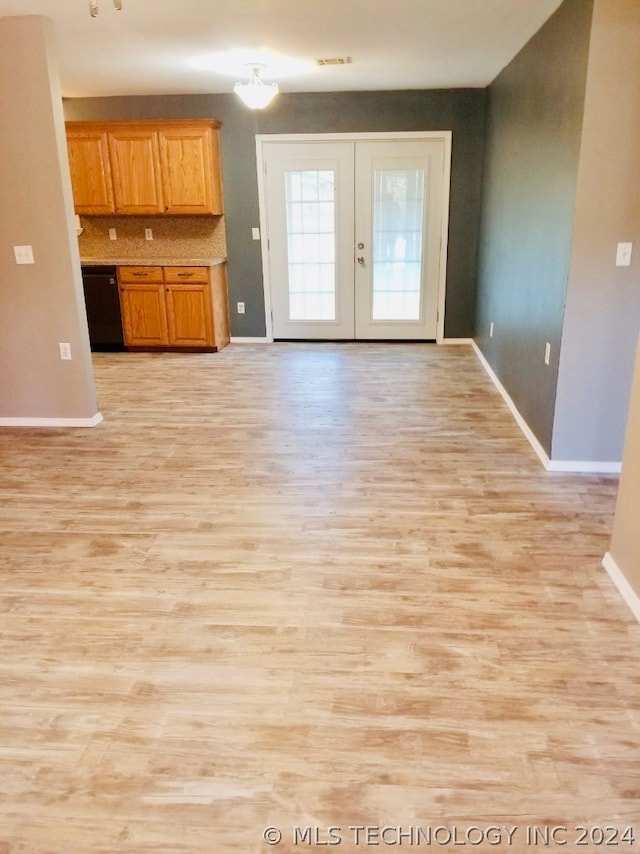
(144, 317)
(135, 165)
(90, 171)
(190, 170)
(189, 315)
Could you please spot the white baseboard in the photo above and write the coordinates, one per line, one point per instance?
(522, 424)
(575, 466)
(248, 340)
(585, 466)
(52, 422)
(624, 588)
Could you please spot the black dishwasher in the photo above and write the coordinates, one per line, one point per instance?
(103, 307)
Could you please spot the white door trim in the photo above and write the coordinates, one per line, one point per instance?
(262, 138)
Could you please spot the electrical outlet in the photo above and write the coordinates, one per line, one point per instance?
(24, 254)
(148, 234)
(491, 330)
(255, 233)
(65, 351)
(547, 353)
(112, 234)
(240, 308)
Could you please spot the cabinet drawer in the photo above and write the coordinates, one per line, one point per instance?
(186, 274)
(140, 274)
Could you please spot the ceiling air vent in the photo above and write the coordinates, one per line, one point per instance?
(334, 60)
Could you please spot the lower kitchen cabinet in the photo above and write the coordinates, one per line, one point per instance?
(174, 307)
(144, 316)
(189, 320)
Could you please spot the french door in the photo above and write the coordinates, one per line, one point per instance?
(354, 237)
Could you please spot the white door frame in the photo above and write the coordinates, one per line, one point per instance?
(262, 138)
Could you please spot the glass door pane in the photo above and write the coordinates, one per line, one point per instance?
(311, 244)
(308, 191)
(398, 225)
(399, 193)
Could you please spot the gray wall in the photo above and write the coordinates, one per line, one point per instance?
(41, 304)
(602, 314)
(461, 111)
(534, 124)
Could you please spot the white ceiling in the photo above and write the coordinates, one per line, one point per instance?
(408, 44)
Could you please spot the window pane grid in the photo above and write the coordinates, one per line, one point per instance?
(311, 244)
(398, 207)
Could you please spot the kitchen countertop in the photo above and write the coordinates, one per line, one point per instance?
(152, 262)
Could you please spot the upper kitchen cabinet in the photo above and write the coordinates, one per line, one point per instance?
(135, 166)
(189, 158)
(90, 169)
(151, 167)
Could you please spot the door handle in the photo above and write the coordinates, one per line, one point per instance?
(361, 260)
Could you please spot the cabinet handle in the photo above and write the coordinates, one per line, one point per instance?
(140, 275)
(184, 275)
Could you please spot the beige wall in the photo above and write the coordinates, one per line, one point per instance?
(602, 312)
(625, 543)
(40, 304)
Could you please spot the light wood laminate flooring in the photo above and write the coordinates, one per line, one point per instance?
(306, 586)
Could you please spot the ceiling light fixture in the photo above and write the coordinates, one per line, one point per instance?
(93, 7)
(256, 94)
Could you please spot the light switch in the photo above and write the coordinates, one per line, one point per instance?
(623, 255)
(255, 233)
(24, 254)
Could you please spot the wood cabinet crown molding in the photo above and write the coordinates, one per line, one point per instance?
(145, 167)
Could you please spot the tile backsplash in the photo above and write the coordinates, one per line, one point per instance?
(179, 236)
